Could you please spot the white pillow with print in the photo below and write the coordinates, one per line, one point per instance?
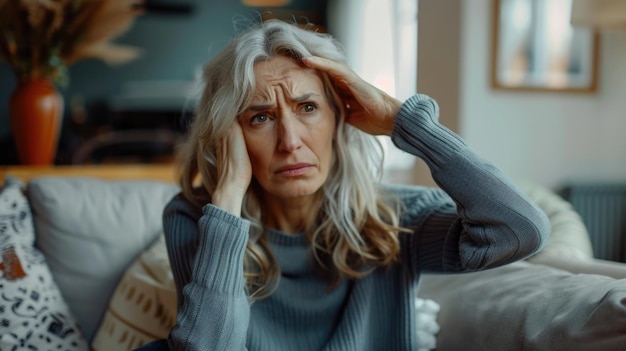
(33, 314)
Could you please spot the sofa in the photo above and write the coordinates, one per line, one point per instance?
(84, 267)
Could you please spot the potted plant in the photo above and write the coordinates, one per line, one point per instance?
(39, 40)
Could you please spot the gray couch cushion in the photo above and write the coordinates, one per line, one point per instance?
(526, 306)
(90, 230)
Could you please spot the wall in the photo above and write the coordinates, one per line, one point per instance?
(547, 138)
(438, 52)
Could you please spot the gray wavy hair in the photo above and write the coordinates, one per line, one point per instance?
(357, 227)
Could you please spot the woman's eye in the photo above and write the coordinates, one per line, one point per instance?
(309, 107)
(259, 119)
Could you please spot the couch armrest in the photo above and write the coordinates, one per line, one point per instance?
(612, 269)
(569, 237)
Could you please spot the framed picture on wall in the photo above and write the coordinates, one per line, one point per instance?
(535, 48)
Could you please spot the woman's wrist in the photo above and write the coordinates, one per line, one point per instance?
(227, 200)
(394, 106)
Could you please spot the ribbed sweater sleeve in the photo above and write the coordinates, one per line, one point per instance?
(489, 220)
(214, 312)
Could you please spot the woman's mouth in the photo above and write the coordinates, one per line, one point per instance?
(294, 170)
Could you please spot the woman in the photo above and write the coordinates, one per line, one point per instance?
(283, 237)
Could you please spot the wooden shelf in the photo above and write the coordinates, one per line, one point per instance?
(162, 172)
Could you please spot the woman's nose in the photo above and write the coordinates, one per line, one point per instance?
(289, 133)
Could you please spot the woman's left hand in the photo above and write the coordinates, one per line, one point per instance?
(367, 107)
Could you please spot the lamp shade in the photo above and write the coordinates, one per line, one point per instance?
(599, 13)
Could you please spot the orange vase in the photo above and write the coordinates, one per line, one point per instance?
(36, 109)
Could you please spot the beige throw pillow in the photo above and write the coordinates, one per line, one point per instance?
(143, 306)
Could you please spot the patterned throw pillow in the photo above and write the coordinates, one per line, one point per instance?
(33, 314)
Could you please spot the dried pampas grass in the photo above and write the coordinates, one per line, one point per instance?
(40, 38)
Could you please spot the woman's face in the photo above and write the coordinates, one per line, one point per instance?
(289, 129)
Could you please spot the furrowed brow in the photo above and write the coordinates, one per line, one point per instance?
(265, 107)
(260, 107)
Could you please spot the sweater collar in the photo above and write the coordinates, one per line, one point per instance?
(293, 252)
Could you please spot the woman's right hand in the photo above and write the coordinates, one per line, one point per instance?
(234, 171)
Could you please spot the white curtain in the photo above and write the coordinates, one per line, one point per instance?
(380, 39)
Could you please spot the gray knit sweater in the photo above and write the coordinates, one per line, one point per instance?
(478, 219)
